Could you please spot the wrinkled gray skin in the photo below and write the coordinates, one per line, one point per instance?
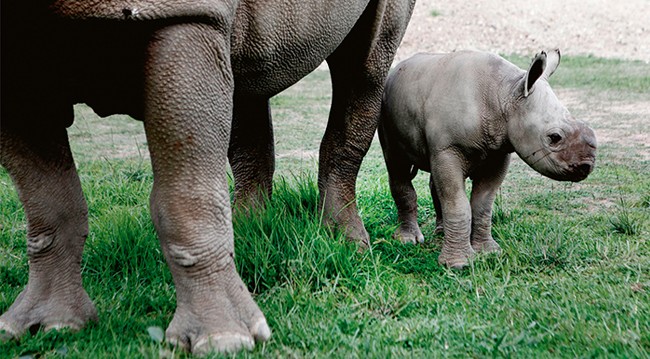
(460, 115)
(187, 69)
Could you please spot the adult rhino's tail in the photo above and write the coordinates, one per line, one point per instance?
(141, 10)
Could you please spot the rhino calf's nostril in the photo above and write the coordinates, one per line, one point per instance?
(584, 168)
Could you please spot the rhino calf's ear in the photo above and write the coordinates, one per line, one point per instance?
(535, 71)
(552, 62)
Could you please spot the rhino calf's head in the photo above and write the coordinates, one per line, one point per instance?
(543, 132)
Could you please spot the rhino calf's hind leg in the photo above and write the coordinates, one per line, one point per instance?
(41, 167)
(484, 189)
(400, 175)
(406, 201)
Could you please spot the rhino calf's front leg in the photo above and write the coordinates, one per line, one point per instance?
(486, 183)
(449, 181)
(400, 175)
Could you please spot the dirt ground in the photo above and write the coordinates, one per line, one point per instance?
(603, 28)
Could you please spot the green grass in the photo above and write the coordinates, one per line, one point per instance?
(573, 279)
(435, 13)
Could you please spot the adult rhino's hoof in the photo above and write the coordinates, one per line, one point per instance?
(354, 231)
(70, 310)
(9, 332)
(340, 216)
(357, 233)
(222, 319)
(221, 342)
(261, 331)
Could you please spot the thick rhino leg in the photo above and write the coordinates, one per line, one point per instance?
(188, 110)
(449, 181)
(41, 167)
(400, 176)
(436, 205)
(484, 190)
(358, 70)
(251, 151)
(407, 207)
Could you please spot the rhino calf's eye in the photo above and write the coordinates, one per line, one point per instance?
(555, 138)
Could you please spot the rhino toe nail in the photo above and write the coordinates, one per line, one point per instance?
(458, 266)
(261, 330)
(223, 343)
(6, 332)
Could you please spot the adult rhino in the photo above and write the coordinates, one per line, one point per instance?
(188, 69)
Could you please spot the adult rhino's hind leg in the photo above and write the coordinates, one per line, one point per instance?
(436, 206)
(251, 151)
(358, 70)
(42, 169)
(187, 123)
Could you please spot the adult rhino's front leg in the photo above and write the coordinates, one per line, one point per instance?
(187, 122)
(41, 166)
(358, 70)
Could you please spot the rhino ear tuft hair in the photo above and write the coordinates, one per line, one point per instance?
(552, 62)
(534, 72)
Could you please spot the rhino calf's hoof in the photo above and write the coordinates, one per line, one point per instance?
(6, 332)
(456, 260)
(486, 246)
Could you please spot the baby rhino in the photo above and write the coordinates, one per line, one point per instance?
(460, 115)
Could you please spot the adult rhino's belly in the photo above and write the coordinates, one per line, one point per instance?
(269, 76)
(275, 46)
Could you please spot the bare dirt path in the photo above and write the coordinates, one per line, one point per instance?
(603, 28)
